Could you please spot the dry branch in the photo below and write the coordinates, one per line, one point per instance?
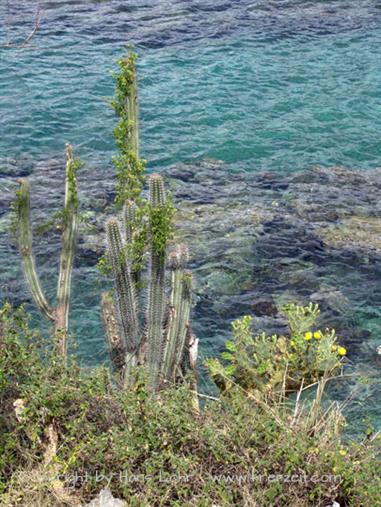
(27, 40)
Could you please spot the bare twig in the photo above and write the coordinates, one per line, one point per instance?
(36, 27)
(296, 411)
(206, 396)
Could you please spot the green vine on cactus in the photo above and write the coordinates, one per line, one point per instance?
(161, 225)
(129, 167)
(147, 230)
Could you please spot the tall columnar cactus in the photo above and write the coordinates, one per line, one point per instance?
(129, 167)
(156, 291)
(60, 313)
(179, 312)
(164, 341)
(127, 308)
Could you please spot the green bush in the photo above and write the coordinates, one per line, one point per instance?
(66, 433)
(272, 366)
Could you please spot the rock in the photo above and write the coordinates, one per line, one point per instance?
(355, 231)
(105, 499)
(265, 308)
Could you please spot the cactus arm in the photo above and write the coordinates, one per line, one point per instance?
(186, 303)
(132, 228)
(156, 309)
(126, 105)
(130, 169)
(126, 300)
(156, 291)
(68, 249)
(116, 346)
(173, 324)
(177, 261)
(133, 112)
(25, 245)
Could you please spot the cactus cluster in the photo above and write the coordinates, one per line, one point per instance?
(59, 314)
(159, 337)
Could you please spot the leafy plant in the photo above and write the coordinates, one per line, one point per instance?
(272, 365)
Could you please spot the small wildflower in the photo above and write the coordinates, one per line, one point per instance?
(343, 452)
(292, 343)
(308, 336)
(341, 351)
(317, 335)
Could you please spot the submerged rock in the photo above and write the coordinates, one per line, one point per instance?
(257, 241)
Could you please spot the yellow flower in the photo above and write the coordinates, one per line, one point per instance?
(317, 335)
(341, 351)
(292, 343)
(343, 452)
(308, 336)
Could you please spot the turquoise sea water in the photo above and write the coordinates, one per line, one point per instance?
(282, 86)
(262, 85)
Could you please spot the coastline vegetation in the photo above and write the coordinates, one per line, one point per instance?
(271, 436)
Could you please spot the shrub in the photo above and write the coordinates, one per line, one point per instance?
(271, 366)
(73, 434)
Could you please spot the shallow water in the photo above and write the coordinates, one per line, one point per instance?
(260, 85)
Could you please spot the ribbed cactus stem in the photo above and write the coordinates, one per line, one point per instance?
(156, 295)
(25, 245)
(185, 308)
(116, 346)
(129, 218)
(126, 300)
(67, 251)
(177, 263)
(156, 191)
(130, 363)
(130, 211)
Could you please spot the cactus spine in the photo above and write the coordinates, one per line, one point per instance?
(59, 315)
